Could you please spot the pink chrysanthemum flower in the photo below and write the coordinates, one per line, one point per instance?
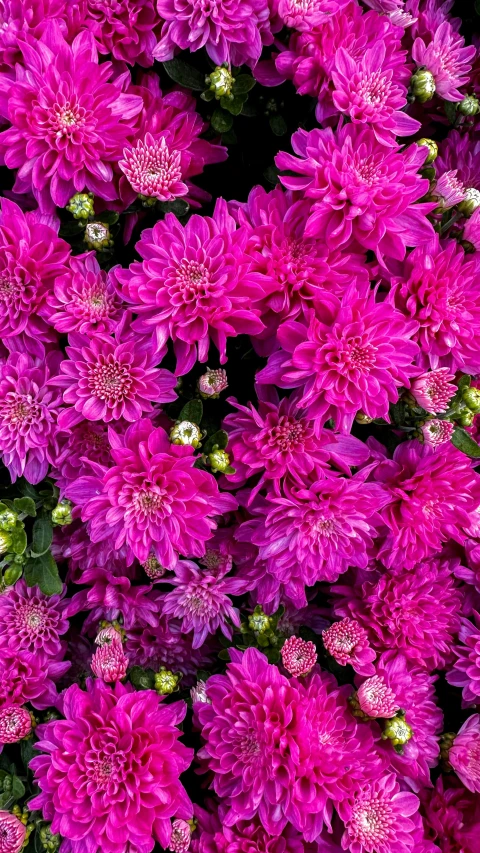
(353, 355)
(303, 15)
(376, 699)
(108, 379)
(83, 444)
(440, 290)
(15, 723)
(153, 170)
(32, 257)
(369, 93)
(31, 621)
(348, 643)
(69, 122)
(12, 833)
(447, 58)
(433, 498)
(449, 190)
(26, 677)
(212, 383)
(314, 530)
(361, 189)
(165, 645)
(464, 755)
(84, 299)
(460, 151)
(152, 498)
(112, 598)
(29, 409)
(110, 775)
(377, 818)
(434, 390)
(466, 670)
(110, 662)
(298, 656)
(201, 599)
(437, 432)
(27, 17)
(212, 835)
(190, 286)
(295, 271)
(230, 31)
(451, 816)
(127, 29)
(393, 9)
(471, 231)
(180, 837)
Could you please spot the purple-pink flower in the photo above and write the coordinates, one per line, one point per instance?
(447, 58)
(84, 299)
(464, 754)
(465, 672)
(33, 622)
(377, 818)
(127, 29)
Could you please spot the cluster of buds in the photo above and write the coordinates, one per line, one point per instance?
(432, 149)
(153, 569)
(166, 681)
(212, 383)
(62, 514)
(49, 841)
(81, 205)
(261, 631)
(219, 461)
(446, 743)
(397, 731)
(470, 106)
(97, 236)
(186, 433)
(221, 82)
(8, 519)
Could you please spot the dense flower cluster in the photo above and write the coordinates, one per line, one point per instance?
(239, 426)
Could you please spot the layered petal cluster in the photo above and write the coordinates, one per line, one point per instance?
(33, 622)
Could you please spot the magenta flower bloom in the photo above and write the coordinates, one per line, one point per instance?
(69, 123)
(230, 31)
(109, 775)
(437, 432)
(32, 257)
(447, 58)
(434, 390)
(31, 621)
(15, 723)
(213, 836)
(166, 645)
(471, 232)
(29, 408)
(464, 755)
(440, 290)
(466, 670)
(152, 498)
(376, 699)
(22, 17)
(27, 677)
(84, 299)
(433, 498)
(353, 355)
(112, 598)
(348, 643)
(106, 379)
(12, 832)
(201, 599)
(83, 444)
(125, 28)
(109, 662)
(377, 818)
(367, 91)
(459, 151)
(362, 190)
(451, 815)
(153, 170)
(190, 286)
(298, 656)
(268, 739)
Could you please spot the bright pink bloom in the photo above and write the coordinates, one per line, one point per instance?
(447, 58)
(112, 598)
(27, 17)
(368, 92)
(153, 170)
(12, 833)
(303, 15)
(376, 699)
(108, 378)
(180, 837)
(29, 409)
(393, 9)
(31, 621)
(212, 383)
(213, 836)
(361, 189)
(152, 498)
(32, 257)
(190, 286)
(451, 815)
(353, 355)
(460, 151)
(466, 670)
(15, 723)
(127, 29)
(26, 677)
(109, 777)
(437, 432)
(109, 662)
(69, 122)
(84, 299)
(471, 231)
(298, 656)
(84, 443)
(449, 190)
(434, 390)
(166, 645)
(377, 818)
(348, 643)
(464, 755)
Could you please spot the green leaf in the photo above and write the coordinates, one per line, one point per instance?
(220, 438)
(450, 111)
(18, 788)
(184, 74)
(233, 105)
(42, 536)
(229, 138)
(72, 229)
(142, 679)
(27, 751)
(278, 125)
(271, 175)
(243, 84)
(19, 539)
(221, 121)
(27, 489)
(249, 110)
(192, 411)
(464, 382)
(26, 505)
(464, 442)
(178, 206)
(224, 654)
(207, 96)
(43, 572)
(477, 6)
(109, 217)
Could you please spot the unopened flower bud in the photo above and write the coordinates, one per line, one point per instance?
(108, 635)
(8, 519)
(436, 432)
(259, 622)
(298, 656)
(220, 82)
(50, 842)
(219, 461)
(212, 383)
(81, 205)
(15, 724)
(153, 569)
(198, 693)
(12, 832)
(397, 730)
(471, 201)
(62, 514)
(362, 418)
(376, 699)
(466, 419)
(97, 236)
(5, 541)
(180, 837)
(422, 85)
(469, 106)
(12, 574)
(166, 681)
(186, 433)
(109, 662)
(471, 397)
(432, 147)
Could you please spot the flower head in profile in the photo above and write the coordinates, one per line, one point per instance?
(110, 598)
(449, 190)
(110, 662)
(29, 410)
(31, 621)
(127, 29)
(436, 432)
(348, 643)
(361, 189)
(152, 498)
(353, 355)
(434, 390)
(115, 763)
(153, 170)
(464, 754)
(377, 817)
(15, 724)
(447, 58)
(376, 699)
(466, 670)
(28, 677)
(84, 299)
(12, 833)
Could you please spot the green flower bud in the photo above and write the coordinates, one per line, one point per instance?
(49, 842)
(471, 397)
(147, 200)
(397, 730)
(219, 461)
(469, 106)
(362, 418)
(446, 742)
(422, 85)
(432, 149)
(470, 202)
(62, 514)
(186, 433)
(12, 574)
(220, 82)
(8, 519)
(5, 541)
(466, 419)
(81, 205)
(97, 236)
(166, 681)
(259, 622)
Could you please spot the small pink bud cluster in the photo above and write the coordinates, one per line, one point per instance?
(433, 390)
(376, 699)
(298, 656)
(180, 837)
(15, 723)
